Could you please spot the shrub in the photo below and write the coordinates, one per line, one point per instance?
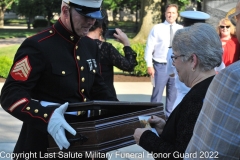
(5, 65)
(37, 23)
(14, 21)
(141, 68)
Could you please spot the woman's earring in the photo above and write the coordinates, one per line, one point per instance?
(193, 69)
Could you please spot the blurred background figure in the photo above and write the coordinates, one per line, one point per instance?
(109, 55)
(230, 44)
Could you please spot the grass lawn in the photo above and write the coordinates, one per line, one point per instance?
(9, 51)
(12, 33)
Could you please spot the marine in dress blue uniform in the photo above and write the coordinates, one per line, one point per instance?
(55, 65)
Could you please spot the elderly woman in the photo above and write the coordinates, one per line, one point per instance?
(230, 43)
(197, 50)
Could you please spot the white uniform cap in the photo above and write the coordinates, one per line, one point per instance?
(88, 8)
(198, 15)
(86, 3)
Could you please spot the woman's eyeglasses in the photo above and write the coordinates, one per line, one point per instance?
(224, 27)
(174, 57)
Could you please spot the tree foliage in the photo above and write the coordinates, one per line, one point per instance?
(183, 3)
(25, 8)
(51, 6)
(119, 4)
(4, 4)
(32, 8)
(152, 12)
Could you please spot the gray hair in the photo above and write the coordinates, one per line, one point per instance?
(202, 40)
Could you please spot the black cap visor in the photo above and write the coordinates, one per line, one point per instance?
(188, 22)
(97, 14)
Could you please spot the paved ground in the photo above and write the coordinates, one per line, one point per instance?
(126, 91)
(11, 41)
(15, 27)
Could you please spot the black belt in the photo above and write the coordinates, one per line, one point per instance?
(159, 62)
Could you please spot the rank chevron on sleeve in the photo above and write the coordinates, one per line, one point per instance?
(21, 69)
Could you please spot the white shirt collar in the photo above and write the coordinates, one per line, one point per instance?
(166, 22)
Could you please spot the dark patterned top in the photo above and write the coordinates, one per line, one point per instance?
(109, 57)
(179, 126)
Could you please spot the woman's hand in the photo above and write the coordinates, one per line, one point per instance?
(138, 133)
(158, 123)
(121, 37)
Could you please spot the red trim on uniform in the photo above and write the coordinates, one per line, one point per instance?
(47, 36)
(65, 29)
(47, 30)
(46, 121)
(39, 33)
(21, 69)
(62, 36)
(37, 117)
(17, 104)
(60, 21)
(78, 70)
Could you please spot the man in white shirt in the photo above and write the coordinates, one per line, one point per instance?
(158, 43)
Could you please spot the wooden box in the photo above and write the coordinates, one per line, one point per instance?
(109, 126)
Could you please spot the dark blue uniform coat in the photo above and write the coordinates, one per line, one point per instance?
(56, 66)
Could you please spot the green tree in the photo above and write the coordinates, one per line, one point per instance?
(24, 8)
(153, 12)
(51, 6)
(181, 3)
(45, 8)
(4, 4)
(118, 5)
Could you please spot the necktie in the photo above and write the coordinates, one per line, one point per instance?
(171, 35)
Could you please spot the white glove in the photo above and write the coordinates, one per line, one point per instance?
(57, 125)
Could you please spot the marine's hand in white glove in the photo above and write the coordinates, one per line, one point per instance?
(57, 125)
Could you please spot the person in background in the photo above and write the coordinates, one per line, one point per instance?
(158, 43)
(217, 130)
(195, 67)
(188, 18)
(230, 44)
(109, 55)
(57, 66)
